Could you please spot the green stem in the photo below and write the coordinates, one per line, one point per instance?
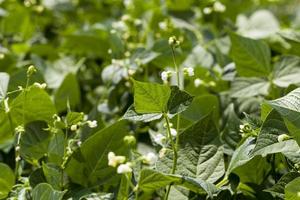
(175, 156)
(224, 181)
(176, 68)
(174, 146)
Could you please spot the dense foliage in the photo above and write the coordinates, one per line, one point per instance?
(157, 99)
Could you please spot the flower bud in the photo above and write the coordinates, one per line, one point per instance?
(130, 140)
(31, 70)
(174, 42)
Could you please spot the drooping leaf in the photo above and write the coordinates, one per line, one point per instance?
(241, 155)
(89, 165)
(150, 97)
(7, 180)
(252, 57)
(151, 180)
(46, 192)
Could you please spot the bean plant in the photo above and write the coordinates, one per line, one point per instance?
(142, 100)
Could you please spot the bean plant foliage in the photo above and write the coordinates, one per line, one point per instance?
(141, 100)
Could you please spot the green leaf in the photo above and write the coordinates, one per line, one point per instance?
(278, 188)
(267, 141)
(241, 155)
(89, 165)
(288, 106)
(52, 174)
(56, 148)
(151, 180)
(132, 115)
(293, 39)
(68, 92)
(150, 97)
(4, 80)
(252, 57)
(74, 118)
(202, 106)
(123, 188)
(35, 104)
(230, 134)
(34, 142)
(30, 105)
(272, 127)
(249, 87)
(7, 180)
(292, 190)
(44, 191)
(179, 100)
(200, 153)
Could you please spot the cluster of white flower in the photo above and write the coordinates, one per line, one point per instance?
(189, 71)
(165, 75)
(92, 124)
(217, 7)
(39, 85)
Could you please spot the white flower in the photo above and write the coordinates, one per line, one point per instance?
(92, 124)
(159, 138)
(283, 137)
(74, 127)
(163, 25)
(219, 7)
(124, 168)
(162, 152)
(198, 82)
(41, 86)
(173, 131)
(150, 158)
(165, 75)
(114, 160)
(189, 71)
(207, 10)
